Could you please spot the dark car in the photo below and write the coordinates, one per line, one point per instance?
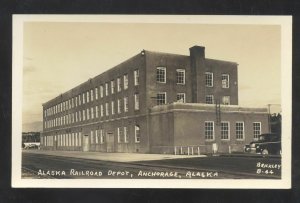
(268, 143)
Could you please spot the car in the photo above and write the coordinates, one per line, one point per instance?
(268, 143)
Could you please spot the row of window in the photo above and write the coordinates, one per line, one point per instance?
(209, 130)
(161, 75)
(88, 96)
(93, 112)
(209, 99)
(209, 80)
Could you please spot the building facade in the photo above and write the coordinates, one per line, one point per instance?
(154, 103)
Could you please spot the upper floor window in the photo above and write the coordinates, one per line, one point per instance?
(119, 105)
(136, 75)
(239, 130)
(92, 112)
(96, 93)
(112, 107)
(79, 100)
(87, 97)
(225, 130)
(76, 101)
(180, 76)
(83, 115)
(72, 102)
(137, 134)
(209, 99)
(101, 110)
(225, 81)
(161, 74)
(88, 114)
(125, 104)
(106, 89)
(92, 95)
(112, 86)
(209, 130)
(256, 129)
(181, 97)
(97, 111)
(209, 79)
(125, 80)
(83, 98)
(119, 87)
(226, 100)
(101, 91)
(161, 98)
(136, 101)
(106, 109)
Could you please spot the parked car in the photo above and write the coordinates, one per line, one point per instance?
(268, 143)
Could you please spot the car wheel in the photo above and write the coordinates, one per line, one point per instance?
(265, 152)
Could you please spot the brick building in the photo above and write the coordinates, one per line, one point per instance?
(154, 103)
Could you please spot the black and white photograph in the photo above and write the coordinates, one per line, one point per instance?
(128, 101)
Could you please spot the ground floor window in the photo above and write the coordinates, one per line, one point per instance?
(137, 134)
(209, 99)
(161, 98)
(120, 135)
(181, 97)
(209, 130)
(225, 130)
(239, 130)
(126, 138)
(256, 129)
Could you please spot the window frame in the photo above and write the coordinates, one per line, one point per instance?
(207, 137)
(178, 100)
(135, 134)
(209, 96)
(254, 130)
(228, 130)
(180, 71)
(227, 85)
(162, 93)
(243, 132)
(158, 77)
(211, 84)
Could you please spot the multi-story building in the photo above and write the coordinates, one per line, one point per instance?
(154, 103)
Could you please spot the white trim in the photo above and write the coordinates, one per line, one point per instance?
(243, 131)
(228, 122)
(165, 73)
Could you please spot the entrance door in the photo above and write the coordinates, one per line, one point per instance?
(85, 146)
(110, 142)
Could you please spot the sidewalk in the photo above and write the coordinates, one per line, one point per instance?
(116, 157)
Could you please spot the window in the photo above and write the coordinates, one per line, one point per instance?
(226, 100)
(239, 130)
(87, 97)
(76, 116)
(209, 79)
(72, 102)
(181, 97)
(106, 109)
(225, 81)
(101, 91)
(137, 134)
(120, 135)
(79, 115)
(106, 89)
(83, 98)
(209, 99)
(225, 130)
(92, 137)
(83, 115)
(161, 98)
(126, 135)
(136, 102)
(73, 118)
(119, 88)
(161, 74)
(119, 105)
(209, 130)
(92, 95)
(112, 107)
(180, 76)
(136, 77)
(256, 129)
(97, 112)
(88, 114)
(101, 136)
(96, 93)
(125, 80)
(92, 112)
(96, 135)
(125, 104)
(101, 110)
(76, 101)
(79, 100)
(112, 86)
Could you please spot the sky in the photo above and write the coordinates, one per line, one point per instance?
(58, 56)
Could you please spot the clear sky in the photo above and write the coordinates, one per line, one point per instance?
(59, 56)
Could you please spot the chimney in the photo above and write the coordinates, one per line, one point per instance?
(197, 51)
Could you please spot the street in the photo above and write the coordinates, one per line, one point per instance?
(36, 165)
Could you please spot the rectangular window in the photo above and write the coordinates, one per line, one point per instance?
(72, 102)
(96, 136)
(79, 100)
(92, 95)
(101, 136)
(125, 80)
(137, 134)
(73, 117)
(226, 100)
(120, 135)
(76, 101)
(181, 97)
(106, 89)
(87, 97)
(225, 130)
(101, 91)
(76, 116)
(209, 130)
(161, 98)
(112, 107)
(125, 104)
(225, 81)
(101, 110)
(79, 138)
(119, 105)
(256, 129)
(106, 109)
(239, 130)
(112, 86)
(119, 87)
(88, 114)
(209, 99)
(96, 93)
(92, 137)
(136, 75)
(83, 115)
(161, 74)
(136, 102)
(180, 76)
(97, 112)
(79, 115)
(126, 138)
(209, 79)
(92, 113)
(83, 98)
